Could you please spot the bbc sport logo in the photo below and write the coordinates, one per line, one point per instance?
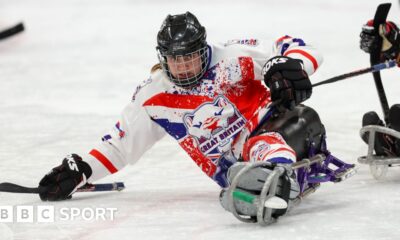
(48, 214)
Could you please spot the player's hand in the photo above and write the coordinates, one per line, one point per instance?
(390, 35)
(62, 181)
(288, 82)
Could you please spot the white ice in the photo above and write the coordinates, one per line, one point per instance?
(64, 81)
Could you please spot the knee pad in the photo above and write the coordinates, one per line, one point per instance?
(268, 146)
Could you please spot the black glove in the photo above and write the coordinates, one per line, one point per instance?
(63, 180)
(288, 82)
(390, 35)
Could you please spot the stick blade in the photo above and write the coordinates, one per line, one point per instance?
(12, 31)
(381, 14)
(14, 188)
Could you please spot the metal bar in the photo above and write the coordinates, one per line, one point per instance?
(308, 162)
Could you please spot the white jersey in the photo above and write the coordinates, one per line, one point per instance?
(211, 121)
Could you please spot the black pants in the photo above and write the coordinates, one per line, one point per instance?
(301, 128)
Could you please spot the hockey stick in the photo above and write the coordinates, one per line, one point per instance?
(380, 17)
(372, 69)
(12, 31)
(14, 188)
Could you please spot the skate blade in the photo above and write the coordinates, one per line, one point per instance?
(345, 174)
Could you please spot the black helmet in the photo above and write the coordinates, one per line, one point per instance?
(183, 36)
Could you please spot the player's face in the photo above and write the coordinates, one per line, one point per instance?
(186, 66)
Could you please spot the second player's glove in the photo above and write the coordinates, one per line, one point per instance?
(390, 35)
(288, 82)
(64, 180)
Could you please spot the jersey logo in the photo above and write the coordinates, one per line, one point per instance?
(214, 124)
(259, 151)
(249, 42)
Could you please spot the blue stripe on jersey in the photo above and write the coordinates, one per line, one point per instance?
(284, 47)
(299, 41)
(176, 130)
(106, 138)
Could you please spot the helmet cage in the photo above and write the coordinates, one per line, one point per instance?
(193, 65)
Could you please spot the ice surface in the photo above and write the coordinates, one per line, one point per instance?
(65, 80)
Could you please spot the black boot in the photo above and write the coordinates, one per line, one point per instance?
(370, 118)
(394, 121)
(394, 117)
(384, 144)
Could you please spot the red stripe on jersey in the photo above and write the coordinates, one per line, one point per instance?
(104, 160)
(282, 38)
(305, 54)
(177, 101)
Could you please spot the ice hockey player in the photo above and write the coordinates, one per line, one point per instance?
(212, 100)
(385, 145)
